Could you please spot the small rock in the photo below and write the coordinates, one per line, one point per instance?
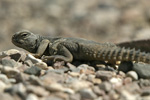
(55, 87)
(8, 62)
(86, 69)
(4, 78)
(145, 92)
(116, 81)
(12, 80)
(10, 52)
(17, 89)
(52, 97)
(74, 74)
(33, 70)
(125, 66)
(2, 86)
(34, 80)
(52, 77)
(142, 69)
(32, 97)
(127, 80)
(71, 66)
(21, 77)
(144, 83)
(105, 75)
(42, 65)
(87, 94)
(10, 72)
(133, 75)
(5, 96)
(122, 74)
(78, 85)
(76, 96)
(59, 64)
(105, 86)
(39, 91)
(125, 95)
(68, 90)
(98, 91)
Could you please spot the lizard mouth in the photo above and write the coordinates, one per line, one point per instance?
(15, 41)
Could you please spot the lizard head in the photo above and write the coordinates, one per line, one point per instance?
(26, 40)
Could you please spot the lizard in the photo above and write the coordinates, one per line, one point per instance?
(68, 49)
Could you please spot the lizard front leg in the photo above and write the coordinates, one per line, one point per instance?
(41, 49)
(59, 53)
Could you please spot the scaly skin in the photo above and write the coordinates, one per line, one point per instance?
(69, 49)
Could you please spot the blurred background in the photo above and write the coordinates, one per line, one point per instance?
(99, 20)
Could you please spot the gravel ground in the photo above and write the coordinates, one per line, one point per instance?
(24, 77)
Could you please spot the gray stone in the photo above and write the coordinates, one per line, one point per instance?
(33, 70)
(79, 85)
(142, 69)
(9, 71)
(8, 62)
(42, 65)
(53, 98)
(133, 75)
(76, 96)
(87, 94)
(105, 86)
(144, 83)
(2, 86)
(32, 97)
(145, 91)
(17, 89)
(5, 96)
(125, 95)
(125, 66)
(98, 91)
(39, 91)
(104, 75)
(4, 78)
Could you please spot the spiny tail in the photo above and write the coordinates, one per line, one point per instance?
(122, 54)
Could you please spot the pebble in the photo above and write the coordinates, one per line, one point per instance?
(18, 89)
(133, 75)
(116, 81)
(42, 65)
(9, 71)
(4, 78)
(39, 91)
(8, 62)
(143, 70)
(2, 86)
(125, 95)
(104, 75)
(86, 69)
(32, 97)
(105, 86)
(33, 70)
(87, 94)
(78, 85)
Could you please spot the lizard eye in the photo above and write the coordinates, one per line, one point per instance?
(24, 34)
